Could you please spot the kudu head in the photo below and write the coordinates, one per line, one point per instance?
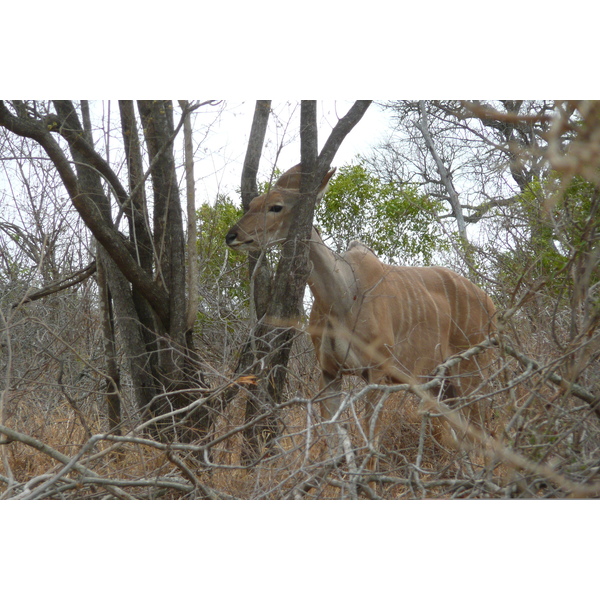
(268, 218)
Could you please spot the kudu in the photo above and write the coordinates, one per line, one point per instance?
(388, 324)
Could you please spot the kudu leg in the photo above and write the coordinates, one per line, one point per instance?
(372, 424)
(338, 440)
(470, 385)
(331, 385)
(462, 394)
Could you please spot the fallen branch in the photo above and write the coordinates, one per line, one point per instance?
(58, 456)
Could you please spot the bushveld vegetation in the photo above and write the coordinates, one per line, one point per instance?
(134, 359)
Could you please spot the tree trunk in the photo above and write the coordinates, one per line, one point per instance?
(113, 376)
(445, 175)
(145, 271)
(260, 273)
(274, 334)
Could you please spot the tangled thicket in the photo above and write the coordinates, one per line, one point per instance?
(542, 438)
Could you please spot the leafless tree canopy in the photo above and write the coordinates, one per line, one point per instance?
(140, 358)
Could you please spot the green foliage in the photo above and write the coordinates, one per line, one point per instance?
(265, 186)
(541, 242)
(222, 271)
(395, 220)
(560, 225)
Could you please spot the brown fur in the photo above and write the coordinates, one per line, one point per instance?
(388, 324)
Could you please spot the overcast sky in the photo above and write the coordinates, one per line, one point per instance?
(222, 139)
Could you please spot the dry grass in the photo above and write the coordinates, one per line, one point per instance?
(419, 457)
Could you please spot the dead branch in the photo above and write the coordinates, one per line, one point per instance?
(568, 386)
(59, 286)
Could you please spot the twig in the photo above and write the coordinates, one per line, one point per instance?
(568, 386)
(58, 456)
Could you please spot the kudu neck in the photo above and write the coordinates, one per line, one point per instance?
(332, 281)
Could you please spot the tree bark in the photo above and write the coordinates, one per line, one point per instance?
(192, 252)
(444, 174)
(113, 376)
(145, 271)
(259, 271)
(249, 187)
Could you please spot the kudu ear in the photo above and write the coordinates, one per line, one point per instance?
(291, 180)
(325, 184)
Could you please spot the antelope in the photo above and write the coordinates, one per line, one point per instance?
(387, 324)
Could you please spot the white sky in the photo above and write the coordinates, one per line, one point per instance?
(219, 169)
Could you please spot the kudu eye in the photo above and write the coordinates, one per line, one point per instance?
(276, 208)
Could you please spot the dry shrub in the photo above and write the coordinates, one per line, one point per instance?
(544, 439)
(419, 457)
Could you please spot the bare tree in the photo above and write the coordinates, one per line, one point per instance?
(467, 153)
(525, 173)
(145, 268)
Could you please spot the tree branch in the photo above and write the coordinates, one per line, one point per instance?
(260, 274)
(445, 176)
(480, 211)
(253, 152)
(342, 128)
(104, 231)
(59, 286)
(70, 129)
(192, 250)
(70, 463)
(568, 386)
